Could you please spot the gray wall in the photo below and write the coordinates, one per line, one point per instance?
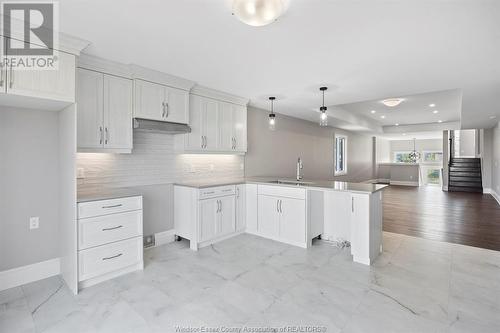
(420, 145)
(28, 186)
(486, 152)
(495, 174)
(468, 143)
(275, 153)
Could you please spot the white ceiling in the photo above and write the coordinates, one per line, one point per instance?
(413, 135)
(362, 50)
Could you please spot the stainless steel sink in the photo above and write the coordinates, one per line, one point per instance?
(290, 182)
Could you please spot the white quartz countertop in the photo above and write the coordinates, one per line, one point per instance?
(329, 185)
(106, 193)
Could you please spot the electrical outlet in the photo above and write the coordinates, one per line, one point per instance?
(34, 222)
(149, 241)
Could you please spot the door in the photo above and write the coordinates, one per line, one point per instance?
(227, 215)
(195, 140)
(209, 217)
(292, 220)
(117, 112)
(149, 100)
(210, 123)
(268, 221)
(241, 212)
(240, 127)
(57, 84)
(90, 113)
(226, 126)
(177, 105)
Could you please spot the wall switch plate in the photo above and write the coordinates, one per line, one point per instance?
(34, 222)
(80, 173)
(212, 167)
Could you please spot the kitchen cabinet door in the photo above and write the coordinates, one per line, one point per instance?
(117, 112)
(195, 140)
(226, 126)
(209, 219)
(58, 84)
(292, 220)
(268, 221)
(177, 105)
(241, 212)
(149, 100)
(227, 215)
(90, 112)
(240, 127)
(360, 226)
(251, 208)
(210, 120)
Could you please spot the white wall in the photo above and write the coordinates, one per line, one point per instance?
(28, 186)
(495, 170)
(275, 153)
(467, 143)
(383, 150)
(152, 168)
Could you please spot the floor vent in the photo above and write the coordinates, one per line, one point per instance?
(149, 241)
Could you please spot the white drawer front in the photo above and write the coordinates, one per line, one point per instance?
(282, 191)
(111, 206)
(218, 191)
(108, 258)
(105, 229)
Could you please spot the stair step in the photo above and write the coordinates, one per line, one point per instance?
(452, 188)
(465, 159)
(464, 174)
(466, 164)
(466, 184)
(454, 168)
(465, 179)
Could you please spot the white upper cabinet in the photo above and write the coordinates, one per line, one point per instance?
(218, 123)
(159, 102)
(104, 112)
(117, 112)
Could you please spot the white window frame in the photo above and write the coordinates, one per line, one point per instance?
(399, 152)
(344, 171)
(432, 151)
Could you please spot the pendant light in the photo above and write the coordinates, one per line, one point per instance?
(323, 117)
(272, 116)
(414, 155)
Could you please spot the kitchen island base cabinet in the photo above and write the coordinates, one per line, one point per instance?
(206, 216)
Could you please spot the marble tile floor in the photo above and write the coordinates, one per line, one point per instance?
(416, 285)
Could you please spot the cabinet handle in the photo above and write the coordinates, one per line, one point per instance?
(206, 141)
(237, 192)
(167, 112)
(163, 109)
(11, 83)
(113, 206)
(113, 257)
(1, 74)
(352, 204)
(107, 135)
(114, 228)
(100, 135)
(281, 207)
(278, 206)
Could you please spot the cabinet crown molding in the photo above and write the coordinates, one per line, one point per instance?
(219, 95)
(146, 74)
(102, 65)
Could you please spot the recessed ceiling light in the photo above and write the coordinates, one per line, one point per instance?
(391, 102)
(258, 13)
(397, 124)
(435, 111)
(440, 121)
(404, 133)
(373, 111)
(432, 105)
(493, 117)
(383, 117)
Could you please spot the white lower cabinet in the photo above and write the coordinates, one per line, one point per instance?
(109, 239)
(282, 214)
(241, 204)
(205, 216)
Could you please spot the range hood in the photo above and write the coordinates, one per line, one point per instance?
(160, 126)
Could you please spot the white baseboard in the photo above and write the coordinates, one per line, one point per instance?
(371, 181)
(404, 183)
(21, 275)
(495, 195)
(487, 190)
(164, 237)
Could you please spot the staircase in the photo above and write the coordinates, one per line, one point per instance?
(465, 175)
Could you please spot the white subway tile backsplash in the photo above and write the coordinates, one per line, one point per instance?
(154, 161)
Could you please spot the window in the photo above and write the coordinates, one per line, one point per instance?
(340, 155)
(432, 156)
(402, 157)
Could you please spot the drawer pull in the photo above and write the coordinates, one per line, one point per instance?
(114, 228)
(114, 206)
(209, 192)
(113, 257)
(227, 190)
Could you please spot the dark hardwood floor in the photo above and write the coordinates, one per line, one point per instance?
(457, 217)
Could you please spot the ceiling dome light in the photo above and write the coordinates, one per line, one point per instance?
(373, 111)
(435, 111)
(432, 105)
(323, 118)
(258, 13)
(391, 102)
